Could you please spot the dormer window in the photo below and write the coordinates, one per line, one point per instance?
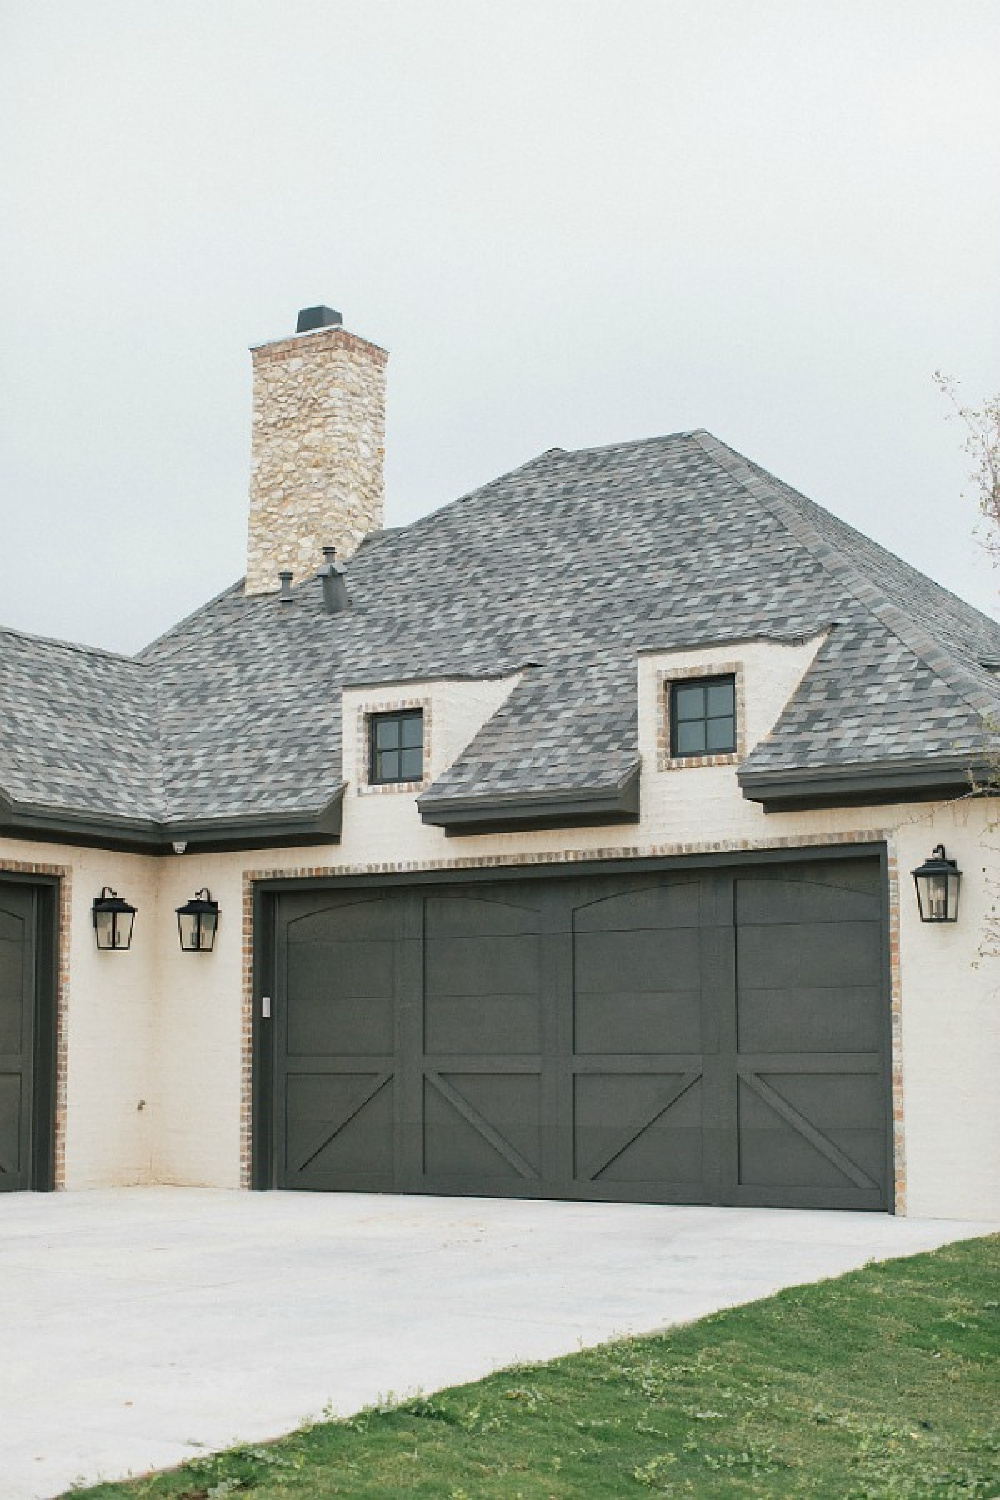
(703, 716)
(396, 747)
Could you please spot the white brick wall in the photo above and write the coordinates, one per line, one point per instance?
(168, 1027)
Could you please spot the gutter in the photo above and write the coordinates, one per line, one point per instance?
(149, 836)
(507, 812)
(863, 784)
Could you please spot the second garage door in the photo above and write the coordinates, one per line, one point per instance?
(699, 1037)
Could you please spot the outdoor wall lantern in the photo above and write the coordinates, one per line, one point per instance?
(198, 922)
(113, 920)
(937, 881)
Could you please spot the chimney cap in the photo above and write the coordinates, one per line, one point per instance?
(311, 318)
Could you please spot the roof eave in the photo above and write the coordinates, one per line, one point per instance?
(148, 836)
(508, 812)
(917, 779)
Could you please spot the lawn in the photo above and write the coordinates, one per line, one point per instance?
(884, 1382)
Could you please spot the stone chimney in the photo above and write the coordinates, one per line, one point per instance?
(318, 448)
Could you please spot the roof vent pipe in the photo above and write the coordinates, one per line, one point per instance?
(285, 592)
(334, 588)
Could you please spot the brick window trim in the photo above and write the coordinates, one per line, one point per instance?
(703, 671)
(370, 710)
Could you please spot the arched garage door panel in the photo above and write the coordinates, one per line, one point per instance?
(701, 1037)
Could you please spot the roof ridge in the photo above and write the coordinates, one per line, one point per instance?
(647, 442)
(547, 454)
(766, 488)
(78, 646)
(178, 625)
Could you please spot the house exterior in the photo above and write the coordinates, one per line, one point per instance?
(562, 843)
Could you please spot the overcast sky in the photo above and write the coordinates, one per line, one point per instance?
(571, 223)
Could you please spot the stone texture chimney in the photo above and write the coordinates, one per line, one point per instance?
(318, 448)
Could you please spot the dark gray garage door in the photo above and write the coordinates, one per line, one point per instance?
(17, 1012)
(700, 1037)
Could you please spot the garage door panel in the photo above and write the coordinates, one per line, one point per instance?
(632, 1127)
(642, 959)
(812, 1130)
(803, 1019)
(11, 926)
(762, 900)
(323, 1026)
(482, 965)
(831, 1100)
(11, 1088)
(660, 905)
(482, 1124)
(364, 919)
(494, 1025)
(11, 997)
(338, 1129)
(809, 955)
(617, 1022)
(473, 915)
(363, 970)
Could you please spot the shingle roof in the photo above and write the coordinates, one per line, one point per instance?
(561, 570)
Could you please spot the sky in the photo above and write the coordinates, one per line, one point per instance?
(571, 222)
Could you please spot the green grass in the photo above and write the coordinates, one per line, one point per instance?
(884, 1382)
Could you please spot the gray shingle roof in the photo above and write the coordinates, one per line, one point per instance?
(563, 570)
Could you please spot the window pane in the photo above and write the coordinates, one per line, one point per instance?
(413, 731)
(719, 735)
(413, 764)
(387, 734)
(387, 765)
(689, 702)
(691, 738)
(720, 699)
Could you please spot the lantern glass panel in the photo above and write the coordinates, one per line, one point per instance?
(188, 922)
(104, 926)
(937, 897)
(206, 931)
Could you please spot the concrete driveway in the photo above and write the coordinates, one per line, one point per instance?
(141, 1325)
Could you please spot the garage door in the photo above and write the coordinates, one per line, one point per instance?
(699, 1037)
(17, 1010)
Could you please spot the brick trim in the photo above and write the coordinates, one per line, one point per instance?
(64, 875)
(570, 857)
(366, 711)
(896, 1023)
(667, 675)
(324, 340)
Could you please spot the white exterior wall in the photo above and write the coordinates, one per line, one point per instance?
(168, 1027)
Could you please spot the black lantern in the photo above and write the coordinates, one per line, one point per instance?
(937, 881)
(198, 922)
(113, 920)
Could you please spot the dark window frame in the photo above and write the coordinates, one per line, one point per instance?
(398, 716)
(680, 685)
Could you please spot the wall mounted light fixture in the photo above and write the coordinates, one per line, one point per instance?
(113, 920)
(198, 922)
(937, 881)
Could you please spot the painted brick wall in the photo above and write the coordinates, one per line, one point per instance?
(173, 1028)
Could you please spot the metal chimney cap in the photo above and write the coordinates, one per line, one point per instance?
(311, 318)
